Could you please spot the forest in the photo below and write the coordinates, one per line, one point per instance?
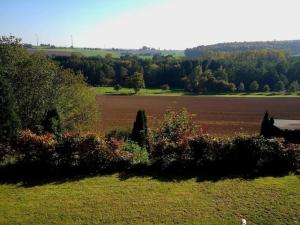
(292, 47)
(251, 71)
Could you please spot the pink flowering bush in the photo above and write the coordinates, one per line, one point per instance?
(31, 147)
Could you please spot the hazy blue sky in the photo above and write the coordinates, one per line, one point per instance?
(171, 24)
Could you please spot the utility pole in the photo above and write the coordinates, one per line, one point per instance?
(72, 46)
(37, 40)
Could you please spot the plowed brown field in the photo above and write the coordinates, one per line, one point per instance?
(224, 116)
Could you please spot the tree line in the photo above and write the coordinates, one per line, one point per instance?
(293, 47)
(251, 71)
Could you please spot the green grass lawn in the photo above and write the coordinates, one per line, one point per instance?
(114, 199)
(178, 92)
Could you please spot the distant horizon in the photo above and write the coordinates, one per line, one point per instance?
(74, 46)
(159, 24)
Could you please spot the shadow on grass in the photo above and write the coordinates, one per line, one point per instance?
(31, 177)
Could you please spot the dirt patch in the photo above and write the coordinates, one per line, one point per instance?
(223, 116)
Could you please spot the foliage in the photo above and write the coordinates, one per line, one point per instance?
(279, 86)
(140, 129)
(136, 81)
(257, 154)
(199, 81)
(76, 103)
(9, 120)
(254, 86)
(288, 46)
(91, 153)
(51, 122)
(241, 87)
(266, 88)
(294, 86)
(213, 72)
(176, 145)
(117, 87)
(72, 151)
(165, 87)
(266, 126)
(119, 134)
(32, 148)
(33, 79)
(170, 140)
(39, 86)
(140, 154)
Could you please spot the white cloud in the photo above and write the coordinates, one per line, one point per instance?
(178, 24)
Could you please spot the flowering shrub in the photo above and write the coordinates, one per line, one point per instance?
(177, 144)
(72, 151)
(91, 153)
(170, 141)
(31, 147)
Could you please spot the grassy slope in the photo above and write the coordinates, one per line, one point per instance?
(160, 92)
(85, 52)
(143, 200)
(90, 52)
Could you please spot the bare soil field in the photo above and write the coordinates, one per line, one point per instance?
(221, 116)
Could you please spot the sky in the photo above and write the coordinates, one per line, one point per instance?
(164, 24)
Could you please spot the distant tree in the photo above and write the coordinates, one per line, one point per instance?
(254, 86)
(294, 86)
(266, 88)
(279, 86)
(117, 87)
(221, 74)
(140, 130)
(9, 120)
(165, 87)
(231, 87)
(241, 87)
(136, 81)
(193, 82)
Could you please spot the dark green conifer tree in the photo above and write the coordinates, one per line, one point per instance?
(266, 128)
(140, 130)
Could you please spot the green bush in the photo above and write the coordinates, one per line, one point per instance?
(140, 154)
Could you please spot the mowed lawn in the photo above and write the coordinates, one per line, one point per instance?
(114, 199)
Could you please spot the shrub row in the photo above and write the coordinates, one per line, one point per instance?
(169, 149)
(241, 155)
(74, 151)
